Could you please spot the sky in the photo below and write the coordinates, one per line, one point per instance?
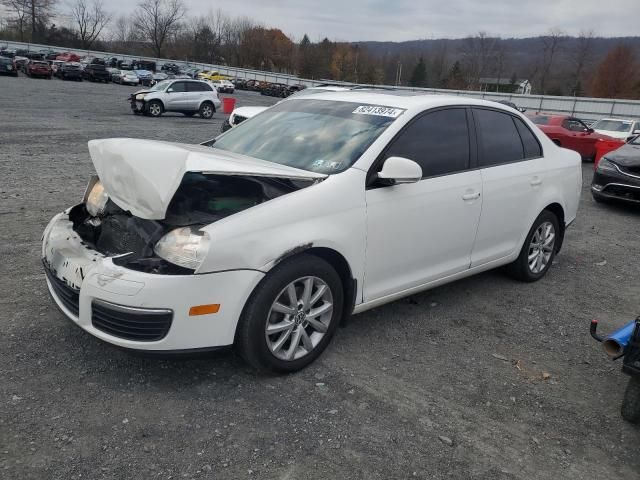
(399, 20)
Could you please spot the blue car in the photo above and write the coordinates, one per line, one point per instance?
(145, 76)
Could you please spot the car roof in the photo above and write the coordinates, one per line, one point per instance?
(405, 99)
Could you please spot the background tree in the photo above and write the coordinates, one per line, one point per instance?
(581, 57)
(30, 15)
(419, 74)
(618, 75)
(157, 20)
(90, 19)
(551, 46)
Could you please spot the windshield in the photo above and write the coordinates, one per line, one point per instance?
(316, 135)
(160, 85)
(540, 120)
(612, 125)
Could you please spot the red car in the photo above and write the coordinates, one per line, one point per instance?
(68, 57)
(38, 69)
(570, 132)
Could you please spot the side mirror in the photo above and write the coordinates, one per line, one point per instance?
(636, 132)
(589, 130)
(169, 90)
(396, 170)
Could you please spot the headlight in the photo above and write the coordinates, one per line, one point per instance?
(186, 247)
(95, 198)
(141, 96)
(605, 165)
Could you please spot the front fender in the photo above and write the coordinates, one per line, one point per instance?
(329, 214)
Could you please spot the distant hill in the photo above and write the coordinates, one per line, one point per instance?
(522, 53)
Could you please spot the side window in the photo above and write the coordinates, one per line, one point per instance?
(437, 141)
(499, 140)
(179, 87)
(573, 125)
(532, 148)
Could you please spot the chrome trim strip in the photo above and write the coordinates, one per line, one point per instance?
(624, 173)
(126, 309)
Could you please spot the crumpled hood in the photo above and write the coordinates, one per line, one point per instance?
(142, 176)
(626, 156)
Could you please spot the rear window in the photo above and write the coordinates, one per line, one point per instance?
(499, 138)
(198, 87)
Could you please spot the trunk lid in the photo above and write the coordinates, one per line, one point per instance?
(142, 176)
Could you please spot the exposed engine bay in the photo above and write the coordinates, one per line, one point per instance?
(201, 199)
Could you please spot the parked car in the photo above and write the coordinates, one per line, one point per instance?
(617, 176)
(274, 90)
(158, 77)
(570, 132)
(8, 66)
(128, 77)
(125, 65)
(55, 65)
(170, 67)
(21, 63)
(68, 57)
(239, 115)
(184, 96)
(401, 200)
(6, 52)
(96, 72)
(36, 56)
(70, 71)
(624, 129)
(144, 76)
(223, 86)
(37, 68)
(144, 65)
(192, 72)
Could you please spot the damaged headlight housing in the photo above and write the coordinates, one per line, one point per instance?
(141, 96)
(95, 197)
(186, 247)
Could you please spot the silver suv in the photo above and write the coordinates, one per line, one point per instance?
(184, 96)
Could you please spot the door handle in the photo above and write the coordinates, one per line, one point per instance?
(470, 196)
(535, 181)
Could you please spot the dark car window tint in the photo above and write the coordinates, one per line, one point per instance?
(531, 145)
(179, 87)
(499, 139)
(437, 141)
(198, 87)
(574, 125)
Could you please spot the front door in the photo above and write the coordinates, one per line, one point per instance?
(424, 231)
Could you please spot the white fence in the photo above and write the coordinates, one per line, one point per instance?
(586, 108)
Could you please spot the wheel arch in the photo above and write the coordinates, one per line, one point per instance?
(156, 100)
(558, 211)
(341, 266)
(206, 100)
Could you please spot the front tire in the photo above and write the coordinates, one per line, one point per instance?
(538, 250)
(154, 108)
(631, 404)
(291, 316)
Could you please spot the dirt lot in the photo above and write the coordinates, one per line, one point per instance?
(445, 384)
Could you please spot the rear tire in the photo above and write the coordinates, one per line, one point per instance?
(538, 250)
(631, 403)
(311, 333)
(207, 109)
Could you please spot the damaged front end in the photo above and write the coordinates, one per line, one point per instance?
(173, 245)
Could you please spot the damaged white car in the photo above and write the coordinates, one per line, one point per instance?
(268, 236)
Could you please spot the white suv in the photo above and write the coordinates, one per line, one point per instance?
(319, 207)
(184, 96)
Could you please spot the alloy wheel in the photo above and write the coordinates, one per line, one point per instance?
(541, 247)
(299, 318)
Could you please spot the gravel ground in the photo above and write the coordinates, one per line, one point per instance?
(485, 378)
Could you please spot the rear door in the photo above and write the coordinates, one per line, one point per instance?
(513, 173)
(197, 91)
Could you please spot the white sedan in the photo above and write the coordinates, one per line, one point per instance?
(320, 207)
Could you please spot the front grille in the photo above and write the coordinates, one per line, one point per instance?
(69, 297)
(138, 324)
(621, 191)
